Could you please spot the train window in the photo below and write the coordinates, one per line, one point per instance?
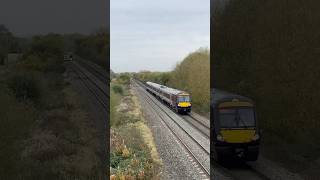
(183, 99)
(246, 117)
(236, 118)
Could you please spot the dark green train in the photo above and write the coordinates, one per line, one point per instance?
(234, 129)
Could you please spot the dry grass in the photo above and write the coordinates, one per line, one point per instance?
(65, 141)
(45, 133)
(133, 152)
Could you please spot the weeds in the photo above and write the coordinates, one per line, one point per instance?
(16, 120)
(131, 155)
(118, 89)
(45, 132)
(24, 86)
(65, 141)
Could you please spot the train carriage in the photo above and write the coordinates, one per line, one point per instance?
(234, 128)
(178, 100)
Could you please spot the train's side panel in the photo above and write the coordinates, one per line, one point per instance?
(166, 98)
(161, 94)
(165, 95)
(152, 89)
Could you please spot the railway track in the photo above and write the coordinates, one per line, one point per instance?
(205, 130)
(94, 69)
(241, 171)
(90, 78)
(163, 110)
(202, 127)
(90, 82)
(203, 121)
(156, 108)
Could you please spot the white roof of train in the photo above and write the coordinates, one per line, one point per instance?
(165, 88)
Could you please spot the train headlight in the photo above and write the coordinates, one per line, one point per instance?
(255, 137)
(220, 137)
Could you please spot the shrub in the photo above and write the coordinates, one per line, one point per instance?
(54, 65)
(16, 120)
(124, 78)
(118, 89)
(24, 86)
(33, 62)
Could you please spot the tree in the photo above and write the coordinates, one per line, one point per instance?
(268, 50)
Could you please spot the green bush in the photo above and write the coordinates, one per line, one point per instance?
(24, 86)
(124, 78)
(193, 76)
(16, 120)
(94, 47)
(48, 45)
(54, 65)
(118, 89)
(32, 62)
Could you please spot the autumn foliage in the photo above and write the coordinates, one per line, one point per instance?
(269, 51)
(191, 75)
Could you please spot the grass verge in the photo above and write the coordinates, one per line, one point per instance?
(46, 132)
(133, 153)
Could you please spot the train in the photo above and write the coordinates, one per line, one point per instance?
(234, 127)
(178, 100)
(68, 56)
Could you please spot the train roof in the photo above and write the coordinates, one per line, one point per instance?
(166, 89)
(218, 95)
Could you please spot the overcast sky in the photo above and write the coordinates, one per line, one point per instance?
(28, 17)
(154, 35)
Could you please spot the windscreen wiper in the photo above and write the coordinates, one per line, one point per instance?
(241, 120)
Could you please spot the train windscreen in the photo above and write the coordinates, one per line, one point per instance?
(183, 99)
(236, 117)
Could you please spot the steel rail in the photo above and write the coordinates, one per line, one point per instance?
(78, 71)
(151, 103)
(223, 170)
(207, 152)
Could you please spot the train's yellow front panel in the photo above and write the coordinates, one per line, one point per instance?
(184, 104)
(238, 135)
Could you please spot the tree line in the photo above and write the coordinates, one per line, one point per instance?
(192, 74)
(94, 47)
(269, 51)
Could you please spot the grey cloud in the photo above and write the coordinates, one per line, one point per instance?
(59, 16)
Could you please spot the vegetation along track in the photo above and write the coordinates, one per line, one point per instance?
(156, 107)
(92, 84)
